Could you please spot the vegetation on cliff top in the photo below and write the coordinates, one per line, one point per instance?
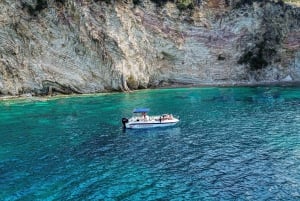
(33, 10)
(38, 5)
(181, 4)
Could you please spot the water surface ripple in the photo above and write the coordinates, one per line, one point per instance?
(231, 144)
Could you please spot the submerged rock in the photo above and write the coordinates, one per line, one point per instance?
(95, 46)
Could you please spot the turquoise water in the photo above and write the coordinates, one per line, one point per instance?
(231, 144)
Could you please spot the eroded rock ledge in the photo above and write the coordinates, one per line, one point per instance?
(89, 46)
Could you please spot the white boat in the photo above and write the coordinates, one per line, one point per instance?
(140, 119)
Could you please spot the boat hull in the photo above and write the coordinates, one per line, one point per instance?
(150, 124)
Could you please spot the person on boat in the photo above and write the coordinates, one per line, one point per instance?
(145, 116)
(167, 117)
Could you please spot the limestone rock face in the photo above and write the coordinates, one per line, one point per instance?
(89, 46)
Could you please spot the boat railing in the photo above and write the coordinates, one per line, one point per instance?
(146, 118)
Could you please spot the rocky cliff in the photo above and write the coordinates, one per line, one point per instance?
(89, 46)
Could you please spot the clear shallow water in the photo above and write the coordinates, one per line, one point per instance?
(231, 144)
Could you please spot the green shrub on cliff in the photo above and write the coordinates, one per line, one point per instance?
(242, 3)
(184, 4)
(61, 1)
(33, 10)
(106, 1)
(181, 4)
(160, 2)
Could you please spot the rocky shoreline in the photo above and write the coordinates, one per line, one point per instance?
(220, 85)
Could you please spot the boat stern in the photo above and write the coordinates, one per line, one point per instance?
(124, 121)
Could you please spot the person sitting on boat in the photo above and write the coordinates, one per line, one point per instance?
(145, 116)
(167, 117)
(164, 117)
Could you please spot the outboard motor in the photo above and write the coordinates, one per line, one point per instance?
(124, 121)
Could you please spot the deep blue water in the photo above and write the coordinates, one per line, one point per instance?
(231, 144)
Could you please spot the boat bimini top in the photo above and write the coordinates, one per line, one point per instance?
(141, 110)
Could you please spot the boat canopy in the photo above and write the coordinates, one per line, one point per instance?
(141, 110)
